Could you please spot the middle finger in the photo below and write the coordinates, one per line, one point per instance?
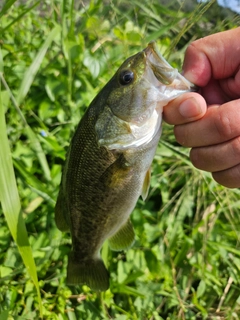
(219, 124)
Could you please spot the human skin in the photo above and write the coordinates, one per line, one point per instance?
(209, 121)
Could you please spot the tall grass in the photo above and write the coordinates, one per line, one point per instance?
(55, 56)
(11, 204)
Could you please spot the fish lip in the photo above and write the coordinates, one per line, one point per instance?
(152, 53)
(162, 70)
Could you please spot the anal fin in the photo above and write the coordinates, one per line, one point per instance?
(124, 237)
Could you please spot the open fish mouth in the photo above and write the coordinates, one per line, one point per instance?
(164, 72)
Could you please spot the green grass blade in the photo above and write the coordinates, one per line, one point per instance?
(35, 65)
(11, 206)
(6, 6)
(33, 182)
(1, 62)
(193, 19)
(36, 145)
(21, 16)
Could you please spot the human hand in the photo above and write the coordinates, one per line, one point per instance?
(209, 122)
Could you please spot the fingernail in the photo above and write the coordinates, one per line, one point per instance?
(190, 108)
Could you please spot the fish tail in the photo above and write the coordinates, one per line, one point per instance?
(91, 272)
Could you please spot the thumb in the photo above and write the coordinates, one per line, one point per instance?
(188, 107)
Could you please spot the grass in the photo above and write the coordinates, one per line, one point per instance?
(54, 57)
(12, 208)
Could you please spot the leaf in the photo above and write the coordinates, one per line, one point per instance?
(152, 262)
(201, 288)
(129, 290)
(133, 276)
(11, 204)
(198, 304)
(152, 232)
(92, 64)
(4, 315)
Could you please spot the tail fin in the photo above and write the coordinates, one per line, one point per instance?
(91, 272)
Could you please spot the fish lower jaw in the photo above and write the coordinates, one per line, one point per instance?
(145, 133)
(139, 136)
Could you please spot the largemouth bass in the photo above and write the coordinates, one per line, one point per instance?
(108, 162)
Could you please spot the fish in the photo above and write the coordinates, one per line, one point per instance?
(108, 163)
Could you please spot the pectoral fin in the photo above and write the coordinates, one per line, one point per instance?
(124, 238)
(146, 184)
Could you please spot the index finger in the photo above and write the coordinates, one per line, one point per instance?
(216, 56)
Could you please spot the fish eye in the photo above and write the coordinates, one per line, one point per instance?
(126, 77)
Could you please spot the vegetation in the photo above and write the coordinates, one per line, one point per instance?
(55, 56)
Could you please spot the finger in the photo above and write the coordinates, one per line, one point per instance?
(214, 94)
(217, 157)
(231, 85)
(186, 108)
(219, 124)
(229, 178)
(217, 55)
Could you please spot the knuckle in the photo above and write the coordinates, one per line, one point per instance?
(223, 126)
(227, 123)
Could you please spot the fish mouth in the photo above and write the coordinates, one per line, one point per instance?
(164, 72)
